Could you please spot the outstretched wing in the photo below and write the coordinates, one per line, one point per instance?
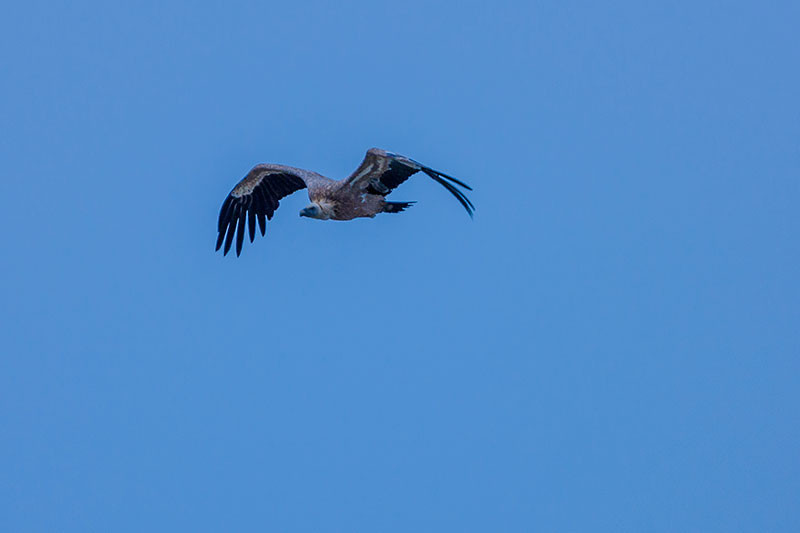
(382, 171)
(256, 197)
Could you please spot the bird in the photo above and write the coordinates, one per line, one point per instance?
(362, 194)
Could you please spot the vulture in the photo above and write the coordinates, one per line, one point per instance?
(363, 194)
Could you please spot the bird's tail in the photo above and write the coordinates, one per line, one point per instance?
(396, 207)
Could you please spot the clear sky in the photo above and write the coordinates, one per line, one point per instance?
(611, 345)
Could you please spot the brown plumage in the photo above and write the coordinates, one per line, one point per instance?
(362, 194)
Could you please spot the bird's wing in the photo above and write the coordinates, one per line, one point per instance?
(257, 197)
(383, 171)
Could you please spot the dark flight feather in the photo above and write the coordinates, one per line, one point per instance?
(240, 213)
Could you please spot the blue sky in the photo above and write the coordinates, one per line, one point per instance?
(611, 345)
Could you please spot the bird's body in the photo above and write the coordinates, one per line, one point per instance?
(339, 202)
(362, 194)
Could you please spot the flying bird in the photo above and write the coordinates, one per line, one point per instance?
(362, 194)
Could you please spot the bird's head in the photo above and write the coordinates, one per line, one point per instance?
(312, 211)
